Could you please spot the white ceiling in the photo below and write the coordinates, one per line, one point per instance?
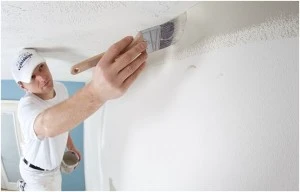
(68, 32)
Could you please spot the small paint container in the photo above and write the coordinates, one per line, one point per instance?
(70, 162)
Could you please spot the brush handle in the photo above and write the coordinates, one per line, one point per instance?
(92, 62)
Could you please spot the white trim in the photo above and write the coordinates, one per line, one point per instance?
(6, 184)
(11, 107)
(10, 101)
(101, 143)
(92, 152)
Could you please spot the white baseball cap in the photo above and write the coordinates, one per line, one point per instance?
(25, 64)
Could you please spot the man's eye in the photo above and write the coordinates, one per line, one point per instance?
(41, 67)
(33, 77)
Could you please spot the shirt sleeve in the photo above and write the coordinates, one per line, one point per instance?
(28, 110)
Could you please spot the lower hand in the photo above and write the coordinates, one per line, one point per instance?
(76, 151)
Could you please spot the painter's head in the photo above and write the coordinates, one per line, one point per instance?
(31, 72)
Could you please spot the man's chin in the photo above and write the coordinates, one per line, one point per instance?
(48, 88)
(49, 84)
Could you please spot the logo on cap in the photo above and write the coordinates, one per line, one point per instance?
(22, 59)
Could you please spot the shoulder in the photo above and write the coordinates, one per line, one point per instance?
(61, 88)
(59, 84)
(28, 98)
(29, 104)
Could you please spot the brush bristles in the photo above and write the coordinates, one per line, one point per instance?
(166, 34)
(172, 31)
(162, 36)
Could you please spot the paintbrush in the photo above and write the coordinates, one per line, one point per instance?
(158, 37)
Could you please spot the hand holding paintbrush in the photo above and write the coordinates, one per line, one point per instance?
(157, 38)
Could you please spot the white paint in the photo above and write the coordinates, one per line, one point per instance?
(220, 113)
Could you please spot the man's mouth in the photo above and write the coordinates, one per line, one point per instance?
(46, 84)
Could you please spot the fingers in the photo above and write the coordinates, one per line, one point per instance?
(132, 77)
(132, 67)
(118, 68)
(116, 49)
(130, 55)
(138, 38)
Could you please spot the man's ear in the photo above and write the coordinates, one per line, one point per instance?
(21, 85)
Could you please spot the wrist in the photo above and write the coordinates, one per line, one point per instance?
(71, 148)
(93, 94)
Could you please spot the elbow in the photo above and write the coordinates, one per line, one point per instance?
(44, 131)
(46, 126)
(43, 128)
(51, 132)
(48, 132)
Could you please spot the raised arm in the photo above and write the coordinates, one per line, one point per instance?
(113, 75)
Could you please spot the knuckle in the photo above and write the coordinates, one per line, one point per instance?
(144, 56)
(114, 48)
(134, 77)
(142, 46)
(129, 68)
(138, 48)
(126, 57)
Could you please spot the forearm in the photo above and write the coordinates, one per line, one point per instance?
(67, 114)
(112, 76)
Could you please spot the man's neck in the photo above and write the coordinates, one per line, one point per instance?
(47, 96)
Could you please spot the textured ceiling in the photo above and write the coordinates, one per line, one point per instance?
(68, 32)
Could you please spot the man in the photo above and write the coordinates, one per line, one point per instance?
(46, 114)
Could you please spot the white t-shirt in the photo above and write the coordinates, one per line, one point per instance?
(47, 152)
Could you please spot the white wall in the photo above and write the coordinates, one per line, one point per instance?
(217, 113)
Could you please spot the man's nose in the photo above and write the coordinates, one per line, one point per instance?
(41, 77)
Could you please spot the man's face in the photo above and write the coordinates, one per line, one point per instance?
(41, 80)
